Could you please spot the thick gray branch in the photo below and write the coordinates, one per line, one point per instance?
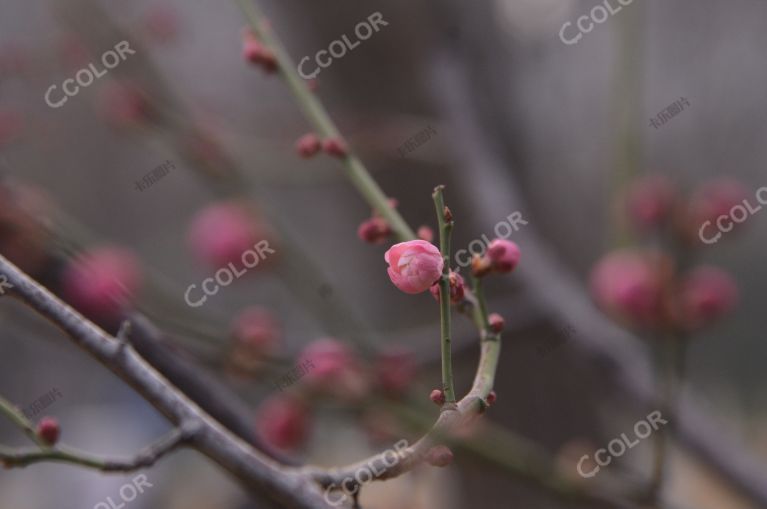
(256, 471)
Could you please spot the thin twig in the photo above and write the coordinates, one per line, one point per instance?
(145, 458)
(445, 231)
(316, 113)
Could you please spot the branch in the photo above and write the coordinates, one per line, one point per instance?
(145, 458)
(255, 470)
(316, 113)
(559, 295)
(445, 230)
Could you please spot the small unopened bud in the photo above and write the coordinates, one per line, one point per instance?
(439, 456)
(496, 322)
(480, 265)
(48, 430)
(425, 233)
(255, 52)
(447, 214)
(374, 230)
(308, 145)
(437, 396)
(503, 254)
(456, 288)
(335, 147)
(490, 399)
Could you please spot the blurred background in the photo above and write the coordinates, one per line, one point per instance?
(516, 120)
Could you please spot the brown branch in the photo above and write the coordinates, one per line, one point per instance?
(253, 469)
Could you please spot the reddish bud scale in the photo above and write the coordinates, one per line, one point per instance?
(491, 398)
(457, 288)
(374, 231)
(48, 430)
(335, 147)
(308, 145)
(496, 322)
(438, 397)
(256, 53)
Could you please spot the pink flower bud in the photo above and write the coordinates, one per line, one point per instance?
(439, 456)
(425, 233)
(705, 295)
(710, 201)
(335, 147)
(256, 53)
(308, 145)
(256, 331)
(457, 288)
(48, 430)
(650, 201)
(414, 265)
(437, 397)
(716, 197)
(491, 397)
(124, 105)
(503, 254)
(630, 285)
(395, 370)
(102, 282)
(332, 368)
(283, 421)
(496, 322)
(220, 233)
(374, 230)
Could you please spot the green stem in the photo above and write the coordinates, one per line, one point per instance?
(481, 306)
(28, 457)
(323, 124)
(445, 230)
(15, 415)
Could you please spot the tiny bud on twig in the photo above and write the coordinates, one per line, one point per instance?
(308, 145)
(48, 430)
(335, 147)
(437, 396)
(374, 230)
(255, 52)
(447, 214)
(496, 322)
